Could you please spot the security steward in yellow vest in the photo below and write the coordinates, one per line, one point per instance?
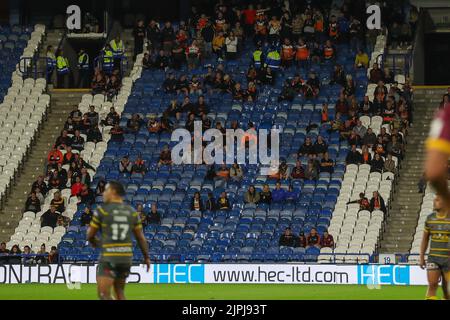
(118, 50)
(83, 69)
(108, 59)
(62, 70)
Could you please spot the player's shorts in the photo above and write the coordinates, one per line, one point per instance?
(113, 270)
(438, 263)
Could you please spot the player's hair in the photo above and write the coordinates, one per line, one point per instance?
(117, 187)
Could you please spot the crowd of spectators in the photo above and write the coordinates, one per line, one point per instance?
(28, 257)
(313, 239)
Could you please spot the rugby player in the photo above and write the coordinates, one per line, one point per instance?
(437, 230)
(436, 168)
(117, 221)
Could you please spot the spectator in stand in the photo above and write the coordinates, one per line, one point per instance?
(112, 118)
(370, 138)
(389, 165)
(361, 59)
(376, 74)
(326, 164)
(139, 166)
(40, 183)
(77, 142)
(86, 216)
(33, 204)
(320, 146)
(298, 172)
(307, 149)
(54, 182)
(134, 124)
(193, 55)
(165, 157)
(236, 173)
(251, 196)
(366, 156)
(53, 255)
(311, 172)
(223, 203)
(125, 165)
(278, 194)
(327, 240)
(154, 217)
(197, 203)
(139, 36)
(231, 45)
(27, 258)
(265, 195)
(377, 164)
(211, 203)
(287, 239)
(86, 195)
(49, 217)
(353, 156)
(14, 255)
(359, 129)
(218, 45)
(101, 186)
(377, 203)
(42, 255)
(76, 187)
(313, 239)
(117, 133)
(53, 158)
(363, 202)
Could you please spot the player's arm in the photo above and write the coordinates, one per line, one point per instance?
(423, 247)
(94, 226)
(140, 238)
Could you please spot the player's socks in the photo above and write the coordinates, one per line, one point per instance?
(431, 298)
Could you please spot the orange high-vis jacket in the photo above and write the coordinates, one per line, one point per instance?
(328, 52)
(287, 52)
(302, 52)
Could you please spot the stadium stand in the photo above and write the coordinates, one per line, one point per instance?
(246, 232)
(24, 104)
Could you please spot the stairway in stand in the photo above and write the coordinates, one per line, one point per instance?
(404, 213)
(62, 103)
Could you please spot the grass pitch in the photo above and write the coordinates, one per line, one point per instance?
(217, 292)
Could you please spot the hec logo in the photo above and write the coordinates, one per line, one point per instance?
(384, 275)
(179, 273)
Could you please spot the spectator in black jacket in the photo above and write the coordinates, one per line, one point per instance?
(50, 217)
(210, 204)
(307, 148)
(154, 217)
(377, 164)
(353, 156)
(33, 204)
(287, 239)
(40, 183)
(265, 196)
